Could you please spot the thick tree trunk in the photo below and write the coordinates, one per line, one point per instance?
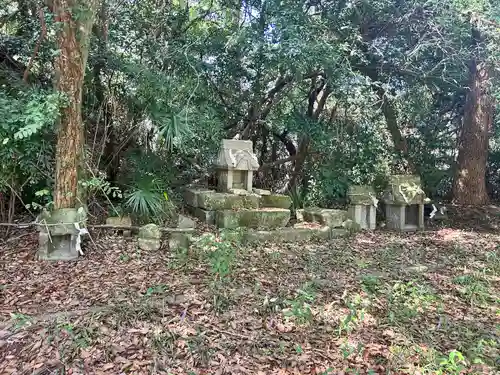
(470, 177)
(76, 18)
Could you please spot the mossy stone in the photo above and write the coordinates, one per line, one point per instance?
(275, 201)
(224, 201)
(361, 194)
(330, 218)
(264, 219)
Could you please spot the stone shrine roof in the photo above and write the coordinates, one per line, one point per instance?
(237, 155)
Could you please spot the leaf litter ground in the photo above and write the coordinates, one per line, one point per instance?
(374, 303)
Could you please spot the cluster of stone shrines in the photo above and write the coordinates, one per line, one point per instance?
(236, 204)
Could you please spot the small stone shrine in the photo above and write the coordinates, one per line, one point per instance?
(363, 207)
(235, 203)
(266, 215)
(404, 203)
(235, 166)
(61, 234)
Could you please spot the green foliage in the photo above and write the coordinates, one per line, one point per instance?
(453, 364)
(25, 137)
(172, 80)
(409, 299)
(299, 308)
(220, 252)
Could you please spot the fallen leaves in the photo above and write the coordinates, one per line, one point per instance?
(105, 316)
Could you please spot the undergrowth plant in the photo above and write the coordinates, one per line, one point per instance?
(219, 250)
(473, 289)
(299, 308)
(408, 299)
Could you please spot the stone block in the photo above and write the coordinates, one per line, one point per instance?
(207, 217)
(293, 235)
(122, 221)
(225, 201)
(178, 241)
(351, 226)
(257, 218)
(328, 217)
(149, 238)
(185, 222)
(236, 191)
(361, 195)
(190, 195)
(275, 201)
(261, 191)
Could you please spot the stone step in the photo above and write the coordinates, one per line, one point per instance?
(294, 234)
(264, 218)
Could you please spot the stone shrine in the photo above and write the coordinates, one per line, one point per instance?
(404, 200)
(266, 215)
(61, 234)
(363, 206)
(235, 166)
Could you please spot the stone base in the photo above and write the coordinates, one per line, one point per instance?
(122, 221)
(179, 241)
(57, 247)
(406, 218)
(296, 234)
(330, 218)
(190, 195)
(364, 215)
(225, 201)
(269, 218)
(149, 238)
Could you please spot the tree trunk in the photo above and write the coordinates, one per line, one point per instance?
(469, 186)
(76, 18)
(470, 177)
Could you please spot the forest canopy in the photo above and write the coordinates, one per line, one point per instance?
(332, 93)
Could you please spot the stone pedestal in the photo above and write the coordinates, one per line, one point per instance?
(364, 216)
(179, 241)
(59, 238)
(404, 203)
(121, 221)
(406, 218)
(363, 206)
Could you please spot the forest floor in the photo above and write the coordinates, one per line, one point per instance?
(374, 303)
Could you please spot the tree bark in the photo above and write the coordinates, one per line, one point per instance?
(73, 36)
(469, 186)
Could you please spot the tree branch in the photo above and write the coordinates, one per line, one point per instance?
(41, 15)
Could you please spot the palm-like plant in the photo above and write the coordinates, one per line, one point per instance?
(147, 200)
